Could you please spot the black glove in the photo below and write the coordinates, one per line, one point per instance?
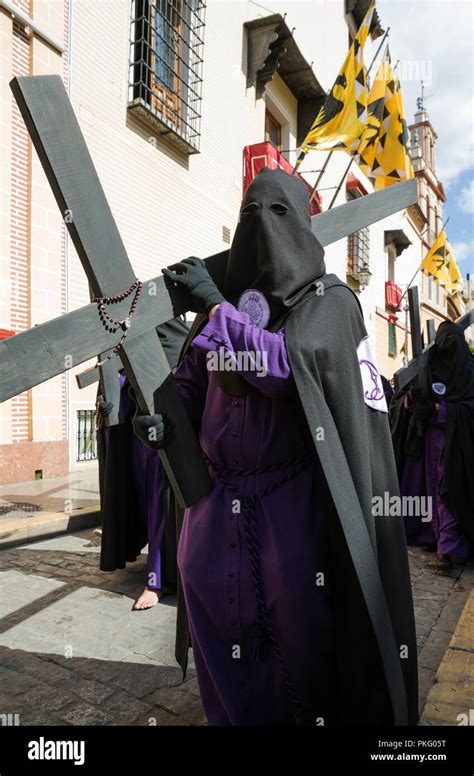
(193, 275)
(155, 431)
(416, 394)
(105, 408)
(423, 410)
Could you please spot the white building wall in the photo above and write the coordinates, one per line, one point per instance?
(168, 206)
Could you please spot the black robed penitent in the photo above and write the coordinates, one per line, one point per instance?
(451, 365)
(124, 529)
(275, 251)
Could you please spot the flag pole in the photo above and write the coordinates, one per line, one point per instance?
(323, 170)
(338, 188)
(351, 160)
(421, 262)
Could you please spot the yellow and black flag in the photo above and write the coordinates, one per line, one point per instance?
(456, 280)
(364, 154)
(342, 118)
(441, 264)
(391, 162)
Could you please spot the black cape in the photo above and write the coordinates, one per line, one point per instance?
(124, 530)
(452, 364)
(373, 600)
(275, 251)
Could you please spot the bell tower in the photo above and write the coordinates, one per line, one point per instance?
(423, 139)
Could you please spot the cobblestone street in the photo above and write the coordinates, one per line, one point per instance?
(72, 651)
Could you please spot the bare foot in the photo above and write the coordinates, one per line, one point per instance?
(147, 599)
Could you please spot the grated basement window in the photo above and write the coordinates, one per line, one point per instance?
(86, 436)
(165, 73)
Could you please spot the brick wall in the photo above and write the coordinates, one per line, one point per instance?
(19, 225)
(32, 238)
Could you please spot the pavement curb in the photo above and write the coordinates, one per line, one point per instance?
(46, 524)
(451, 699)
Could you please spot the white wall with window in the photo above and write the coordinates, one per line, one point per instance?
(169, 203)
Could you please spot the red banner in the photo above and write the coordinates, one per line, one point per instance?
(393, 296)
(261, 155)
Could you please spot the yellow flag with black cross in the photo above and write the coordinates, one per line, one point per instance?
(342, 117)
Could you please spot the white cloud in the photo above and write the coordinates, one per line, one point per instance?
(463, 251)
(466, 198)
(436, 36)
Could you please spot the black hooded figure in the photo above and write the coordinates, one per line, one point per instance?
(440, 462)
(294, 589)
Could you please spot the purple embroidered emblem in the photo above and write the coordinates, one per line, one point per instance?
(256, 306)
(377, 390)
(374, 395)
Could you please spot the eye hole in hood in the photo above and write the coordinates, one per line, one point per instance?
(250, 208)
(278, 207)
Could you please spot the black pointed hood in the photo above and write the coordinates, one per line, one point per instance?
(451, 363)
(274, 249)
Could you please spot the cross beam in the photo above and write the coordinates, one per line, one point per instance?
(64, 335)
(62, 343)
(172, 336)
(63, 153)
(49, 349)
(415, 322)
(430, 330)
(406, 374)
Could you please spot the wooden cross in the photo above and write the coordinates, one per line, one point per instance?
(62, 150)
(421, 355)
(171, 338)
(49, 349)
(430, 330)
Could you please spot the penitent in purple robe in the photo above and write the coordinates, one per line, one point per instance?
(148, 487)
(422, 478)
(257, 445)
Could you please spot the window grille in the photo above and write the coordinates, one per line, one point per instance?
(166, 58)
(86, 436)
(358, 250)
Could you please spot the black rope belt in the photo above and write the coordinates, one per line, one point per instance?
(265, 636)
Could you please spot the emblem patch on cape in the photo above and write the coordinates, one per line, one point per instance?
(439, 388)
(374, 395)
(253, 303)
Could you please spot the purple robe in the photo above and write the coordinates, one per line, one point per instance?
(422, 478)
(252, 443)
(148, 486)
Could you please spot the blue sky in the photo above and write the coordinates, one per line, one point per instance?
(433, 40)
